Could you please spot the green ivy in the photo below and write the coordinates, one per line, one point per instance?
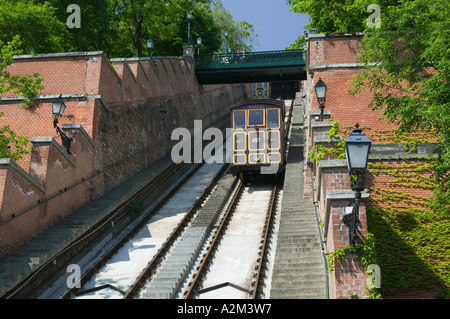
(412, 249)
(409, 234)
(367, 254)
(319, 152)
(410, 237)
(413, 232)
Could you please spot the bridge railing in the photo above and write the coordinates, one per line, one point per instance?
(263, 58)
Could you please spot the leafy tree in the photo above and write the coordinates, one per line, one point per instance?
(11, 145)
(36, 24)
(297, 44)
(96, 26)
(411, 53)
(240, 33)
(133, 20)
(339, 15)
(166, 22)
(202, 26)
(26, 86)
(120, 28)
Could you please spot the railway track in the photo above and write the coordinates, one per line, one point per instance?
(110, 223)
(232, 263)
(156, 257)
(173, 252)
(131, 260)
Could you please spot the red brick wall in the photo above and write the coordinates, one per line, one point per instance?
(29, 208)
(128, 108)
(333, 59)
(17, 194)
(399, 177)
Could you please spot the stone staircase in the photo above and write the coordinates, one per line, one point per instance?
(299, 270)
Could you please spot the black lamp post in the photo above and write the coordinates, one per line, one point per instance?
(189, 17)
(58, 108)
(150, 46)
(321, 93)
(199, 43)
(357, 148)
(226, 44)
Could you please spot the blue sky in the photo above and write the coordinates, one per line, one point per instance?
(274, 24)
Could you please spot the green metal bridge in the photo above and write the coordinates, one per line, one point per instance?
(266, 66)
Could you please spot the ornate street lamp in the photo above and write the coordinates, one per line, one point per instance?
(321, 93)
(58, 108)
(357, 148)
(189, 17)
(226, 45)
(150, 45)
(199, 43)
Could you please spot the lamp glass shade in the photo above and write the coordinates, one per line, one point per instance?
(150, 44)
(321, 90)
(357, 148)
(58, 106)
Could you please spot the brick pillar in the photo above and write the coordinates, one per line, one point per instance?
(349, 277)
(335, 197)
(40, 154)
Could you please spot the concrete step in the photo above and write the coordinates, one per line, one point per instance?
(298, 256)
(295, 233)
(296, 293)
(318, 283)
(157, 295)
(294, 249)
(299, 271)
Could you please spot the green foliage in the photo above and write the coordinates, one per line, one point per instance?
(338, 16)
(120, 28)
(27, 86)
(412, 249)
(240, 33)
(407, 68)
(11, 145)
(319, 152)
(166, 22)
(367, 254)
(36, 24)
(297, 44)
(411, 237)
(96, 32)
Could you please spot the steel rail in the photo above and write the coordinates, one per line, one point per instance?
(101, 261)
(130, 293)
(263, 248)
(201, 268)
(154, 262)
(195, 281)
(94, 231)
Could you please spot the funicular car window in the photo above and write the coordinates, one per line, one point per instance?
(239, 119)
(256, 118)
(273, 119)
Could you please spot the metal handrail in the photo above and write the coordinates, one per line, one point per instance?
(240, 59)
(320, 237)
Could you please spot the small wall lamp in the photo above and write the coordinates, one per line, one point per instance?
(58, 108)
(357, 148)
(321, 93)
